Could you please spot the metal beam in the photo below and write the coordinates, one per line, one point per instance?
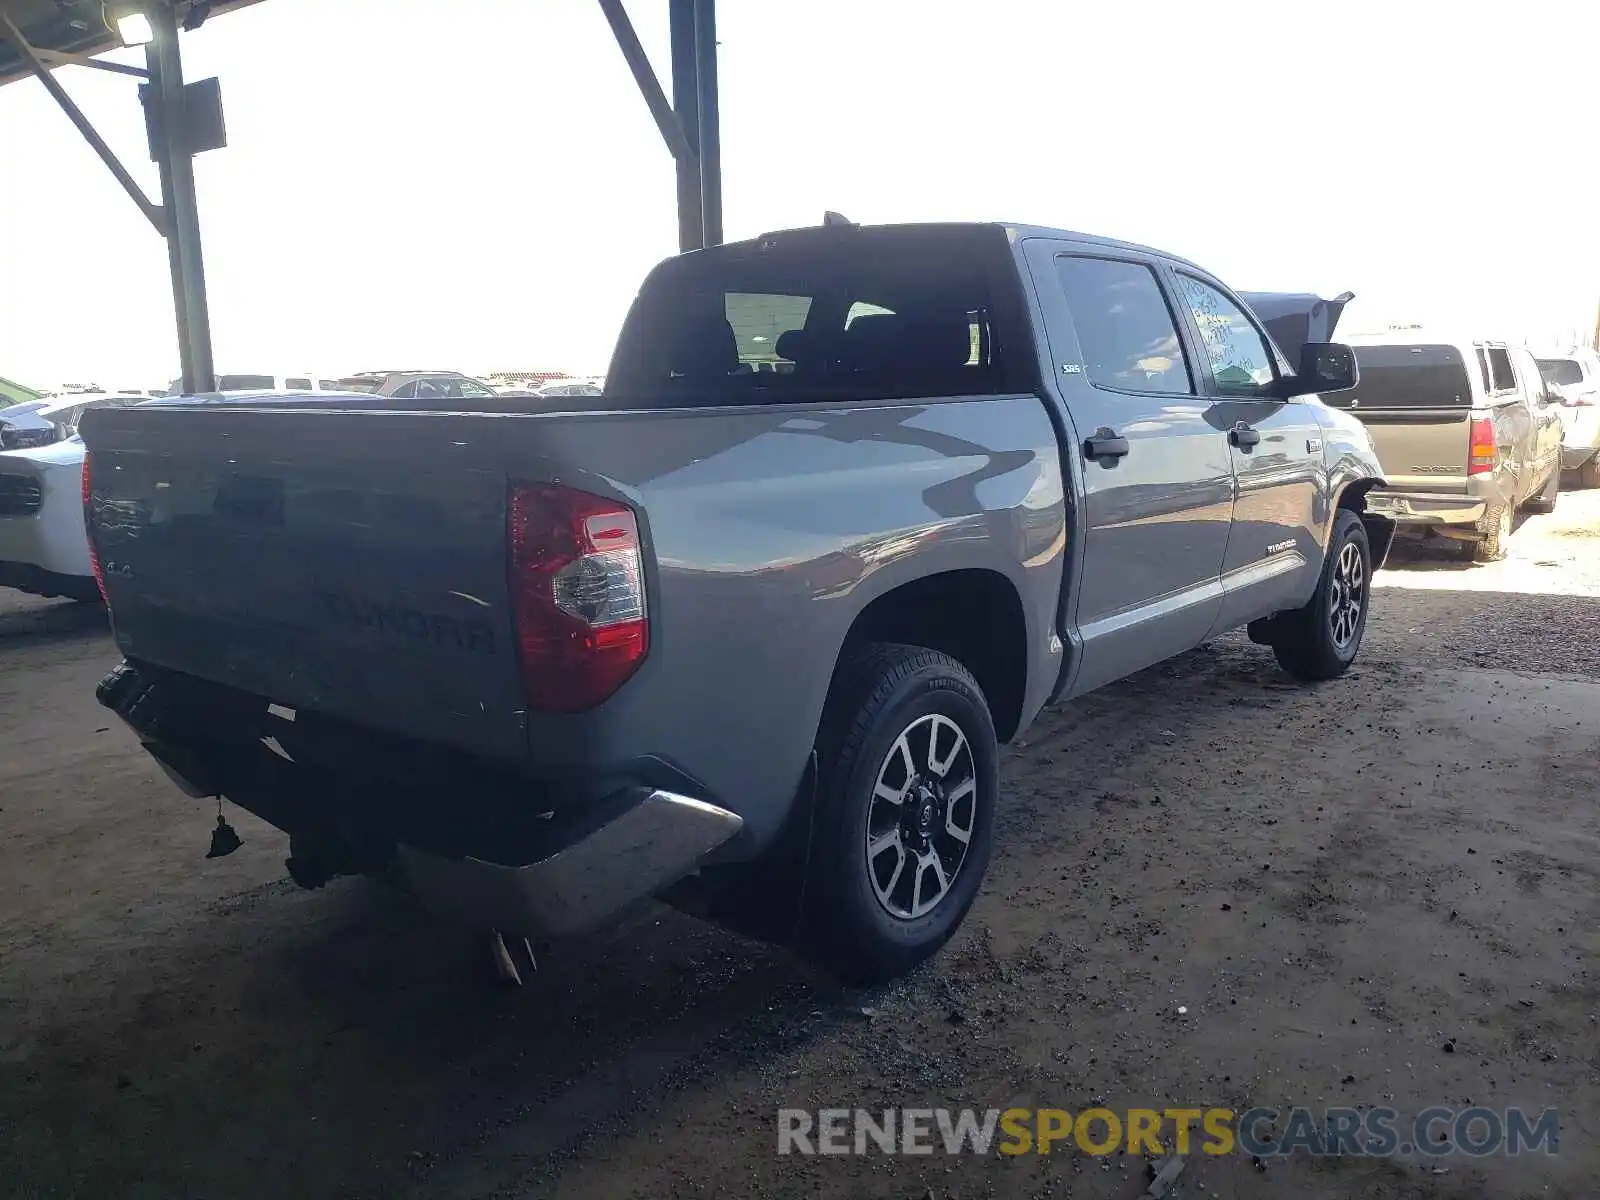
(62, 58)
(649, 86)
(153, 214)
(171, 145)
(710, 143)
(686, 100)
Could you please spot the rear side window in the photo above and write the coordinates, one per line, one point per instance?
(1408, 376)
(328, 385)
(1561, 371)
(303, 384)
(822, 315)
(1129, 340)
(1501, 377)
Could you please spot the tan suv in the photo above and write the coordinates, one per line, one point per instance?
(1467, 433)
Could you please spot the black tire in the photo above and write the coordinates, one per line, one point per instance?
(1496, 530)
(880, 693)
(1589, 473)
(1545, 500)
(1305, 641)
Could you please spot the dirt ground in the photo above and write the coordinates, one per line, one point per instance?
(1333, 882)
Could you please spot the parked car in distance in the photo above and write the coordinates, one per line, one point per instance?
(418, 385)
(568, 387)
(1575, 379)
(244, 382)
(747, 639)
(43, 547)
(1466, 432)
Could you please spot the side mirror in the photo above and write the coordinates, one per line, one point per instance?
(1324, 367)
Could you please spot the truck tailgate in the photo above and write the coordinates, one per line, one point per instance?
(1421, 449)
(317, 559)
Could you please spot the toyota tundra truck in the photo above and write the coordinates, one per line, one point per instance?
(746, 631)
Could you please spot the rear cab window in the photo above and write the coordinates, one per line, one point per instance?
(246, 383)
(820, 315)
(1420, 375)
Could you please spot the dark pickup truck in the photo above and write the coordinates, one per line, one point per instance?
(747, 632)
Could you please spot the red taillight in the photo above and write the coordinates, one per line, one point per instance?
(577, 590)
(1483, 456)
(88, 528)
(1576, 402)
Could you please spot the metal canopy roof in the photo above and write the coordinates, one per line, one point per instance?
(37, 36)
(77, 28)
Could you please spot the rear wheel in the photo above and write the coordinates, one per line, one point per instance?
(1320, 640)
(908, 777)
(1496, 529)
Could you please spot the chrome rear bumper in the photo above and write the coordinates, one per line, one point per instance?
(1424, 508)
(647, 848)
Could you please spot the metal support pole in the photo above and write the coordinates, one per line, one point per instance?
(710, 143)
(75, 115)
(177, 185)
(644, 75)
(686, 100)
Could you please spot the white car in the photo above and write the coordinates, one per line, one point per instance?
(43, 547)
(1575, 378)
(53, 419)
(568, 387)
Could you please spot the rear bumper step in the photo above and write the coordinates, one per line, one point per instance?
(580, 870)
(650, 846)
(1426, 508)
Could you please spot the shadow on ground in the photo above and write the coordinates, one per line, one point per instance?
(48, 622)
(341, 1043)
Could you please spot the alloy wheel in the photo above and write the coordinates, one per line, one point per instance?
(921, 819)
(1349, 595)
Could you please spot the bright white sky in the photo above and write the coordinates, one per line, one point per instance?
(476, 184)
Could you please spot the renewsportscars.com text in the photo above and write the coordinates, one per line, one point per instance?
(1263, 1132)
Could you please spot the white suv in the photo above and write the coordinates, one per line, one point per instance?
(1575, 378)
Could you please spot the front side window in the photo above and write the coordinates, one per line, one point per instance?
(299, 382)
(473, 390)
(1237, 355)
(1125, 330)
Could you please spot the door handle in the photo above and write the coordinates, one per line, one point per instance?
(1242, 436)
(1106, 446)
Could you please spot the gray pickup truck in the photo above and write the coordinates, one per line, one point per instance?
(747, 631)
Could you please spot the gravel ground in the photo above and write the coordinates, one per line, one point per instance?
(1334, 883)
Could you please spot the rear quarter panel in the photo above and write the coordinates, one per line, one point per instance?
(771, 530)
(767, 531)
